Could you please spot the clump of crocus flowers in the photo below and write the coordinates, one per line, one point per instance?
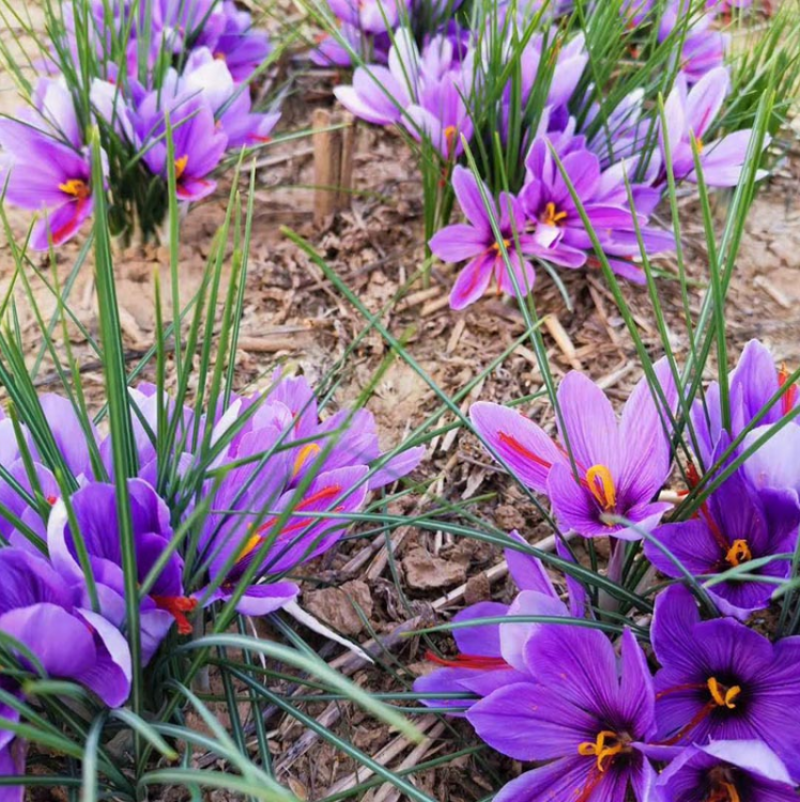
(281, 485)
(693, 702)
(179, 70)
(591, 183)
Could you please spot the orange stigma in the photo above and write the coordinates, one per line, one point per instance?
(76, 187)
(180, 166)
(722, 696)
(739, 552)
(601, 486)
(607, 746)
(551, 217)
(306, 452)
(789, 397)
(506, 243)
(177, 607)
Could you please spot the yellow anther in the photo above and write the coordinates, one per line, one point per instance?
(180, 166)
(600, 749)
(722, 696)
(75, 187)
(739, 552)
(601, 486)
(253, 542)
(306, 452)
(551, 217)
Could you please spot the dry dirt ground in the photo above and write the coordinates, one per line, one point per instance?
(292, 314)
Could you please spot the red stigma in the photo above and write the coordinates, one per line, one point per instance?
(518, 448)
(177, 607)
(474, 661)
(789, 397)
(51, 500)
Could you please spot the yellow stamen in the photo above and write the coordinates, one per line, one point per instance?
(450, 138)
(306, 452)
(739, 552)
(700, 146)
(506, 242)
(76, 187)
(180, 166)
(724, 792)
(601, 486)
(551, 217)
(600, 750)
(253, 542)
(722, 696)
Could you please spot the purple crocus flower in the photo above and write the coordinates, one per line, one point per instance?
(703, 48)
(12, 761)
(690, 112)
(492, 655)
(721, 681)
(198, 142)
(726, 771)
(210, 77)
(476, 241)
(382, 95)
(44, 612)
(559, 227)
(371, 16)
(231, 542)
(586, 710)
(752, 384)
(46, 164)
(95, 509)
(619, 466)
(237, 43)
(735, 525)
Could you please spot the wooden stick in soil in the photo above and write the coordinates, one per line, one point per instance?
(348, 145)
(327, 167)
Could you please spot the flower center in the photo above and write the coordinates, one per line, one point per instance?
(722, 696)
(607, 746)
(723, 792)
(306, 452)
(180, 166)
(789, 397)
(506, 243)
(700, 146)
(601, 486)
(551, 217)
(177, 606)
(739, 552)
(76, 187)
(450, 138)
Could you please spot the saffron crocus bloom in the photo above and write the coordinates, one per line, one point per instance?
(726, 771)
(619, 466)
(381, 95)
(232, 543)
(492, 655)
(735, 525)
(585, 709)
(691, 112)
(44, 612)
(752, 386)
(95, 509)
(559, 228)
(371, 16)
(46, 165)
(242, 47)
(198, 143)
(721, 681)
(210, 77)
(703, 49)
(476, 241)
